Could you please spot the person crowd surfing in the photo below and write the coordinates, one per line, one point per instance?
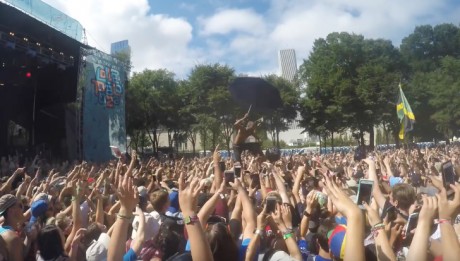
(399, 204)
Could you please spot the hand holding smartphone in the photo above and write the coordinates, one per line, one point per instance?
(448, 175)
(364, 192)
(222, 166)
(271, 204)
(237, 169)
(229, 176)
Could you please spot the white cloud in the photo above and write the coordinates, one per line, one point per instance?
(157, 41)
(243, 38)
(234, 20)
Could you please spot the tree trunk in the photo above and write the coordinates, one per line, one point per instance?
(319, 138)
(387, 136)
(332, 141)
(204, 137)
(278, 139)
(397, 141)
(142, 141)
(361, 138)
(272, 134)
(371, 138)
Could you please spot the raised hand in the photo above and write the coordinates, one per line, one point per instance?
(188, 194)
(277, 217)
(128, 195)
(262, 218)
(341, 200)
(287, 215)
(312, 201)
(448, 209)
(372, 215)
(216, 155)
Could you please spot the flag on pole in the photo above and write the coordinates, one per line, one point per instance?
(405, 114)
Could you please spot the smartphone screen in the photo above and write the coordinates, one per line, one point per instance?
(238, 171)
(229, 177)
(222, 166)
(364, 191)
(271, 204)
(255, 180)
(411, 223)
(448, 174)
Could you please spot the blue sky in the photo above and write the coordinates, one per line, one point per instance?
(245, 34)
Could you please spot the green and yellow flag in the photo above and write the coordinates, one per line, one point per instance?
(405, 114)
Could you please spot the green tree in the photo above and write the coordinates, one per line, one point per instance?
(425, 50)
(152, 101)
(350, 83)
(280, 119)
(211, 103)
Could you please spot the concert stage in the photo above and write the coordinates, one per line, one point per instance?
(58, 96)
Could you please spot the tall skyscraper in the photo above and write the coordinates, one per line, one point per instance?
(121, 46)
(288, 64)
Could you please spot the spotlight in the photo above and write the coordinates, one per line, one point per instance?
(38, 44)
(25, 39)
(11, 33)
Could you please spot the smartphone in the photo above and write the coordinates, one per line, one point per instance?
(364, 192)
(255, 180)
(229, 177)
(271, 204)
(416, 180)
(448, 175)
(222, 166)
(411, 225)
(237, 171)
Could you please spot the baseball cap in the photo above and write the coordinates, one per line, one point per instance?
(174, 201)
(337, 239)
(6, 201)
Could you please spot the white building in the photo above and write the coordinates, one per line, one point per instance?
(288, 64)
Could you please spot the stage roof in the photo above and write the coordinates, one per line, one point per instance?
(22, 26)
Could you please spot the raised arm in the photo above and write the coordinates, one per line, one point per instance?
(382, 245)
(209, 206)
(76, 213)
(249, 214)
(251, 251)
(419, 245)
(448, 210)
(188, 194)
(128, 197)
(296, 187)
(376, 192)
(140, 234)
(354, 247)
(310, 204)
(282, 215)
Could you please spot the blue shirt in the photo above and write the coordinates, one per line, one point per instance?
(130, 255)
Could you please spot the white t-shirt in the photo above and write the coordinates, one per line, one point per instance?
(152, 225)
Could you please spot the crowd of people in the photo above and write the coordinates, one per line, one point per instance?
(297, 207)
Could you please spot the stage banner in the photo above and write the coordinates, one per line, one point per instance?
(50, 16)
(102, 80)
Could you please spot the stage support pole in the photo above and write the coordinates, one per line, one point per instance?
(33, 113)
